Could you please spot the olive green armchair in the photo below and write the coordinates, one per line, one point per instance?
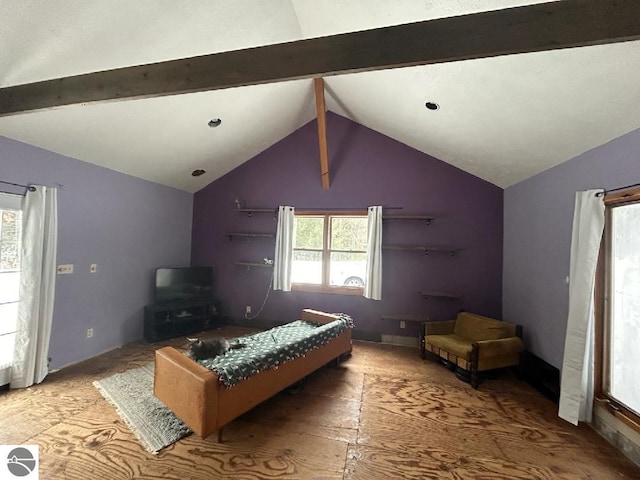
(471, 344)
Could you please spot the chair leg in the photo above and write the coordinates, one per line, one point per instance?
(475, 354)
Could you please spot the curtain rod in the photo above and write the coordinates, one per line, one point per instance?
(329, 209)
(622, 188)
(28, 187)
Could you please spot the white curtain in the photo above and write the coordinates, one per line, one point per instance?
(37, 287)
(576, 386)
(373, 280)
(284, 249)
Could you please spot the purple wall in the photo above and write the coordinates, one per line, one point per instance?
(538, 216)
(366, 168)
(125, 225)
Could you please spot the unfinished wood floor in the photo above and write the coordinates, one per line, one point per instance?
(384, 414)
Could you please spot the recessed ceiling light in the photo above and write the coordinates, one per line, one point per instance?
(432, 105)
(214, 122)
(198, 172)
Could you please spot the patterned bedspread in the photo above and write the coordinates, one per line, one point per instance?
(270, 348)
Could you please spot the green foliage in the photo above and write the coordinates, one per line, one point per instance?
(349, 233)
(308, 232)
(10, 232)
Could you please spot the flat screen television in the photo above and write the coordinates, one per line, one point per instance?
(183, 284)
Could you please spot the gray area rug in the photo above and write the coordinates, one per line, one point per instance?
(131, 392)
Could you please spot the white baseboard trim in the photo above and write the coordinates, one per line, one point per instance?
(85, 359)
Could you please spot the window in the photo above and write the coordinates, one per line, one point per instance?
(618, 305)
(10, 246)
(330, 252)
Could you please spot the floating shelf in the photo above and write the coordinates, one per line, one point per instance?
(249, 235)
(250, 265)
(445, 295)
(425, 250)
(426, 218)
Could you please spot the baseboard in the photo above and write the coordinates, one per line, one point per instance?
(75, 362)
(365, 335)
(400, 340)
(541, 375)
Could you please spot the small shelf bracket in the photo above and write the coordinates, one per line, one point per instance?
(251, 211)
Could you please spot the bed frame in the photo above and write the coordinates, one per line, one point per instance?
(200, 400)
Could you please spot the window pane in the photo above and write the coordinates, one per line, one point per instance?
(308, 232)
(8, 318)
(306, 267)
(6, 349)
(624, 374)
(10, 227)
(349, 233)
(347, 269)
(10, 233)
(9, 286)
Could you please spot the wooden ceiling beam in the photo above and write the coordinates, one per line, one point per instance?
(318, 84)
(530, 28)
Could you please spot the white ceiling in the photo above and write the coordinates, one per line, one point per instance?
(503, 119)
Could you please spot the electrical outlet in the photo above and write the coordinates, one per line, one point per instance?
(65, 269)
(89, 332)
(402, 325)
(247, 309)
(93, 268)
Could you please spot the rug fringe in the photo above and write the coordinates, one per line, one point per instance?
(121, 414)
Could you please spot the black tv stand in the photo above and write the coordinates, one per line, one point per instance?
(174, 319)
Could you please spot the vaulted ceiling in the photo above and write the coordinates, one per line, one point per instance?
(503, 119)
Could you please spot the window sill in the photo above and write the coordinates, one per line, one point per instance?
(628, 418)
(309, 287)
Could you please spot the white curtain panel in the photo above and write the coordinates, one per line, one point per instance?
(576, 386)
(37, 287)
(373, 280)
(284, 249)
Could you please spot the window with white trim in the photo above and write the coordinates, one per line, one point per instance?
(10, 251)
(329, 252)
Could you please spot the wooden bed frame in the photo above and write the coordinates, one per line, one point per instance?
(200, 400)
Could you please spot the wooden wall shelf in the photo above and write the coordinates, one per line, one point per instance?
(249, 235)
(250, 265)
(426, 218)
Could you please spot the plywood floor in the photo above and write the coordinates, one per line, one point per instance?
(384, 414)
